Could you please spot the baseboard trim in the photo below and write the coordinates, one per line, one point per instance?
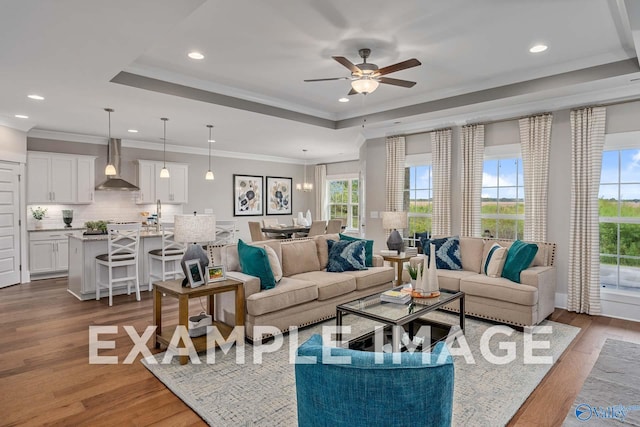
(615, 304)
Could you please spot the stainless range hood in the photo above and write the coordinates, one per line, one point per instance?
(115, 183)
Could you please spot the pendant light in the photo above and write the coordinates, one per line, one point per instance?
(164, 172)
(110, 170)
(209, 176)
(305, 186)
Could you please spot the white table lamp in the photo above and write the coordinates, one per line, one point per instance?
(194, 229)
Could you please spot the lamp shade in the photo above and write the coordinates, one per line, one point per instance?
(194, 228)
(394, 220)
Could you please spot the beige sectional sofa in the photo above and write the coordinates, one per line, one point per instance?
(306, 293)
(496, 298)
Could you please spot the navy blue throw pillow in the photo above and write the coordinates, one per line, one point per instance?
(345, 255)
(447, 252)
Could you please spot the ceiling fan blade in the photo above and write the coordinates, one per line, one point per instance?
(344, 61)
(396, 82)
(353, 92)
(413, 62)
(332, 78)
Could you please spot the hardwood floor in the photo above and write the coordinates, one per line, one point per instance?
(46, 378)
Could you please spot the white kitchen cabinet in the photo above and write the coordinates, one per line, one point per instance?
(86, 179)
(172, 190)
(59, 178)
(49, 252)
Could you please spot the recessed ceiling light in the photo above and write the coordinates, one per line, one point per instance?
(538, 48)
(195, 55)
(132, 130)
(211, 140)
(36, 97)
(343, 99)
(21, 116)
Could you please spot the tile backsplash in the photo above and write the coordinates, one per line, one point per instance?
(108, 206)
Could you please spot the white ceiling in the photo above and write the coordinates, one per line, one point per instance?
(84, 55)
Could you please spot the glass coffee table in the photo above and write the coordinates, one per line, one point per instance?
(397, 317)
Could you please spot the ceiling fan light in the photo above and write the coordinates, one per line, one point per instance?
(364, 85)
(110, 170)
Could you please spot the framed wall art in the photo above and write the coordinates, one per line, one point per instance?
(247, 195)
(278, 193)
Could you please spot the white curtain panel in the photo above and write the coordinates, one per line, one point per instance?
(535, 140)
(321, 192)
(395, 175)
(472, 159)
(587, 142)
(441, 157)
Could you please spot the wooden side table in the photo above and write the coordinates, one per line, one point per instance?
(173, 288)
(399, 260)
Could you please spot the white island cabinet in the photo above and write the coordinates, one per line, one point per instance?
(82, 263)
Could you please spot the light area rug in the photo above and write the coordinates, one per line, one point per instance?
(225, 393)
(611, 393)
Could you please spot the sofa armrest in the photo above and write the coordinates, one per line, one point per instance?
(251, 283)
(543, 278)
(377, 261)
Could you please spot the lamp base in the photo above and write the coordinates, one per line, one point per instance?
(194, 251)
(395, 242)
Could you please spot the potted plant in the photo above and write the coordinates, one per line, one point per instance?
(38, 214)
(413, 272)
(96, 227)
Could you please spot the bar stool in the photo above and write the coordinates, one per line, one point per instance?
(122, 245)
(225, 232)
(164, 263)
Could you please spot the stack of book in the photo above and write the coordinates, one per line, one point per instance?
(388, 252)
(411, 251)
(395, 296)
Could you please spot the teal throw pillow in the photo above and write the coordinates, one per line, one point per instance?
(345, 255)
(254, 261)
(368, 248)
(447, 252)
(519, 257)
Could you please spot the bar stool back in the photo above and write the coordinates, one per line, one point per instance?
(164, 263)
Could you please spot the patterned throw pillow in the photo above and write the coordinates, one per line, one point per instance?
(447, 252)
(346, 256)
(368, 248)
(493, 263)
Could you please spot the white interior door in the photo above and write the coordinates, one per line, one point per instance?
(9, 228)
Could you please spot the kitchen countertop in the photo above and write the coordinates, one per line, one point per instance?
(91, 237)
(60, 228)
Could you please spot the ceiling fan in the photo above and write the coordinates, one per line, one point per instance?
(366, 77)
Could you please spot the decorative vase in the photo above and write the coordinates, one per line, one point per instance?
(413, 284)
(67, 217)
(432, 272)
(419, 285)
(38, 224)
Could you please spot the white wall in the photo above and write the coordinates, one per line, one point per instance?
(13, 145)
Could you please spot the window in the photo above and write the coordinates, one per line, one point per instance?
(418, 198)
(502, 211)
(343, 194)
(619, 210)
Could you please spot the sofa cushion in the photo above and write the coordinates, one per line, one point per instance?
(519, 257)
(450, 279)
(368, 248)
(493, 262)
(323, 248)
(255, 262)
(299, 256)
(447, 252)
(471, 253)
(346, 255)
(372, 276)
(287, 293)
(499, 288)
(274, 262)
(329, 284)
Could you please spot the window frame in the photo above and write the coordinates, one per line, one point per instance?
(415, 161)
(350, 177)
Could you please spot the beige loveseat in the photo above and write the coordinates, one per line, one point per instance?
(496, 298)
(307, 293)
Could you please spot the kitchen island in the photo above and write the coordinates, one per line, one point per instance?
(83, 250)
